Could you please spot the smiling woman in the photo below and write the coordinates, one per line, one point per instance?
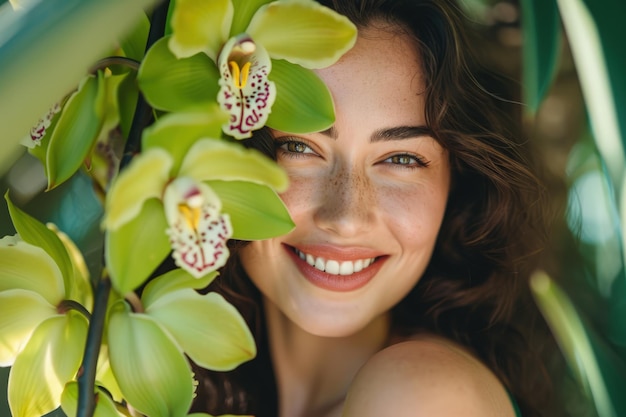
(403, 284)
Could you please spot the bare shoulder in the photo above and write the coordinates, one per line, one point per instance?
(426, 377)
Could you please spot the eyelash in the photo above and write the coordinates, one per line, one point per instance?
(416, 161)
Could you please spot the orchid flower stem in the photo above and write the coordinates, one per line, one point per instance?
(141, 119)
(74, 305)
(114, 60)
(135, 302)
(87, 375)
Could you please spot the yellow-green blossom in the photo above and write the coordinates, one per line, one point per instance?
(261, 52)
(42, 336)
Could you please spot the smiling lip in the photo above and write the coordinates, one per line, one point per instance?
(347, 274)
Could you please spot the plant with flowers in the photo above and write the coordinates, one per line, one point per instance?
(154, 126)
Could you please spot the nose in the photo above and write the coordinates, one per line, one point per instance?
(347, 203)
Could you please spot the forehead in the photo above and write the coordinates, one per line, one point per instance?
(381, 75)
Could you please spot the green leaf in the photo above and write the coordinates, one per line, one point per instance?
(244, 10)
(134, 250)
(208, 328)
(21, 311)
(148, 365)
(219, 160)
(172, 84)
(76, 131)
(256, 211)
(87, 30)
(302, 32)
(299, 91)
(176, 279)
(200, 26)
(51, 358)
(598, 87)
(574, 341)
(541, 31)
(105, 407)
(35, 233)
(177, 132)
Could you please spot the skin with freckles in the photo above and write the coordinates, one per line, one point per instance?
(374, 186)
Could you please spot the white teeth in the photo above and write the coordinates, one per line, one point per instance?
(335, 267)
(320, 264)
(346, 268)
(332, 267)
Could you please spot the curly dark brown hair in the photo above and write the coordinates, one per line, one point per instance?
(475, 290)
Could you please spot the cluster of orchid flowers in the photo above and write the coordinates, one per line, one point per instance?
(225, 69)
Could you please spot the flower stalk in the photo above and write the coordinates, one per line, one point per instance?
(141, 119)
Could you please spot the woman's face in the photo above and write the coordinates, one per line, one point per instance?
(367, 196)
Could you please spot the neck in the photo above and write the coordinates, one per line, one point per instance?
(313, 373)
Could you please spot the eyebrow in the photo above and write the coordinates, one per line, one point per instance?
(392, 133)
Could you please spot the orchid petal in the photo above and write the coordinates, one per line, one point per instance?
(105, 407)
(27, 267)
(174, 280)
(134, 250)
(80, 289)
(172, 84)
(149, 366)
(104, 374)
(246, 93)
(317, 35)
(208, 328)
(219, 160)
(301, 92)
(200, 26)
(21, 311)
(76, 131)
(49, 360)
(256, 211)
(143, 179)
(197, 230)
(36, 233)
(244, 10)
(177, 131)
(45, 125)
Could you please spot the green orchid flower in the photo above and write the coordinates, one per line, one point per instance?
(64, 138)
(189, 196)
(254, 57)
(148, 343)
(43, 291)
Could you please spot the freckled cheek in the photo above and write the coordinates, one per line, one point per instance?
(413, 214)
(301, 195)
